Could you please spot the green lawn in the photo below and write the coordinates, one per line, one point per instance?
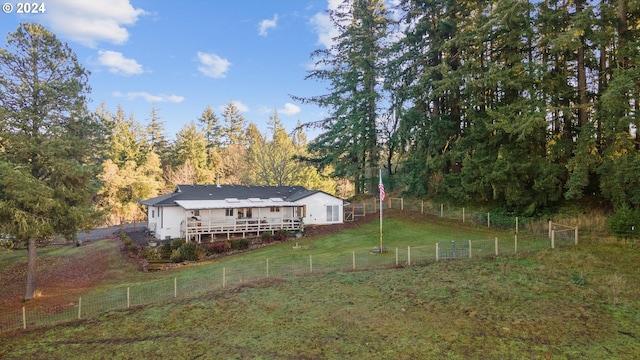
(336, 252)
(568, 303)
(565, 303)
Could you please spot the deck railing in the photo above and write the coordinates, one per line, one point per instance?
(194, 229)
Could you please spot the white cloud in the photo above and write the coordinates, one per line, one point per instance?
(322, 24)
(240, 106)
(213, 65)
(118, 64)
(267, 24)
(289, 109)
(150, 97)
(92, 22)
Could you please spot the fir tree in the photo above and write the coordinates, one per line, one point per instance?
(46, 184)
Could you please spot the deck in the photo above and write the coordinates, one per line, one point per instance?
(199, 230)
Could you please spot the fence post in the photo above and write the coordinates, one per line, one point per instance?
(364, 209)
(470, 250)
(267, 267)
(401, 203)
(353, 254)
(409, 255)
(79, 307)
(175, 287)
(128, 297)
(553, 239)
(437, 252)
(24, 317)
(224, 276)
(576, 235)
(396, 256)
(462, 214)
(488, 220)
(515, 244)
(496, 246)
(422, 207)
(441, 210)
(310, 264)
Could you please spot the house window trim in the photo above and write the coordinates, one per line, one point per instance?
(332, 213)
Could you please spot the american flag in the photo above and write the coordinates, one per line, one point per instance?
(381, 187)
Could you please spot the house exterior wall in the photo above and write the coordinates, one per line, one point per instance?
(169, 223)
(316, 209)
(219, 215)
(153, 219)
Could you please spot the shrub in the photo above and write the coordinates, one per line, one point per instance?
(240, 244)
(218, 247)
(267, 237)
(625, 223)
(281, 235)
(128, 243)
(165, 251)
(187, 252)
(150, 253)
(176, 257)
(176, 243)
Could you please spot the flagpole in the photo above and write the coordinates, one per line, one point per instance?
(381, 199)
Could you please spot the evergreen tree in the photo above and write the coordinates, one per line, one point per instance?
(46, 184)
(349, 141)
(127, 141)
(210, 125)
(234, 127)
(191, 146)
(156, 139)
(272, 162)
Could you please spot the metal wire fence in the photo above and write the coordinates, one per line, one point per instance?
(220, 276)
(154, 292)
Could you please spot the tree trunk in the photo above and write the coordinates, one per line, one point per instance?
(31, 271)
(582, 77)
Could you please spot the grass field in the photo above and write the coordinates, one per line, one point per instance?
(569, 303)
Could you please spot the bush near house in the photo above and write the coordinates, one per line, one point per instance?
(129, 245)
(218, 247)
(188, 252)
(240, 244)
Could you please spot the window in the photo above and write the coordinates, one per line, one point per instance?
(274, 209)
(228, 212)
(333, 213)
(245, 213)
(153, 214)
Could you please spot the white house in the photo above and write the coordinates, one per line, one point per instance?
(207, 212)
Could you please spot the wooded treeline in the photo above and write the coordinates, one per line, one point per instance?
(138, 160)
(508, 103)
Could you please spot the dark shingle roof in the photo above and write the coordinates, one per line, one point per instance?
(214, 192)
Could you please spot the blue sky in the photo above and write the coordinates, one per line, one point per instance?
(186, 55)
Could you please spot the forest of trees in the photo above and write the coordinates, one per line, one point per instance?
(138, 160)
(510, 103)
